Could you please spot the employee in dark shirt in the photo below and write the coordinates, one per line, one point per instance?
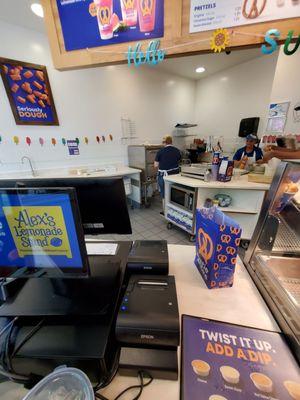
(167, 162)
(249, 154)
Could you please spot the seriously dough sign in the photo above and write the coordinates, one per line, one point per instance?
(207, 15)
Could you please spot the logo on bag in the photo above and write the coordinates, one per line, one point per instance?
(222, 258)
(230, 250)
(225, 239)
(235, 231)
(216, 266)
(205, 245)
(222, 228)
(233, 261)
(217, 275)
(219, 248)
(213, 284)
(237, 241)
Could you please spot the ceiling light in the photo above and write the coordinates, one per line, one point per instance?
(200, 70)
(37, 9)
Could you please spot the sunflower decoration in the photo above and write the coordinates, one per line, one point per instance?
(220, 40)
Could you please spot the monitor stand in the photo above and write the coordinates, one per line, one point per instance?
(96, 295)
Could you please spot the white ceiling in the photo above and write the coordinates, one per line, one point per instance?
(213, 63)
(18, 12)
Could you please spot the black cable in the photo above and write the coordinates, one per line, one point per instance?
(140, 387)
(7, 359)
(113, 373)
(33, 331)
(99, 396)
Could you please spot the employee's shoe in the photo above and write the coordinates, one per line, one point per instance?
(162, 213)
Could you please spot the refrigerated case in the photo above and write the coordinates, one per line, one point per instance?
(273, 257)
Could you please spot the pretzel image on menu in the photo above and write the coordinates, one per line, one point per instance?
(252, 9)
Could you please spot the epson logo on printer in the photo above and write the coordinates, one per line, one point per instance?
(147, 267)
(148, 337)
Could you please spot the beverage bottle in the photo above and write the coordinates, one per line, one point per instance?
(147, 15)
(129, 12)
(104, 14)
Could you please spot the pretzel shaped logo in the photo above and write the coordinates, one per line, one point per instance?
(104, 15)
(235, 231)
(217, 275)
(225, 239)
(213, 284)
(237, 241)
(146, 7)
(128, 4)
(205, 245)
(216, 266)
(219, 248)
(222, 258)
(222, 228)
(233, 260)
(253, 8)
(230, 250)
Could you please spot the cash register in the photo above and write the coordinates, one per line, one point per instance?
(59, 304)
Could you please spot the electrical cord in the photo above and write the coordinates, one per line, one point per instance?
(108, 379)
(33, 331)
(141, 387)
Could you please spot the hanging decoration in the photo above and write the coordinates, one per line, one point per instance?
(53, 141)
(103, 139)
(77, 141)
(98, 139)
(111, 137)
(219, 40)
(28, 140)
(16, 140)
(153, 55)
(86, 140)
(41, 141)
(64, 142)
(0, 139)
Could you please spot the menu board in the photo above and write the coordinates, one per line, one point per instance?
(207, 15)
(93, 23)
(222, 361)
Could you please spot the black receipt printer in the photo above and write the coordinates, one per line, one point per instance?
(148, 257)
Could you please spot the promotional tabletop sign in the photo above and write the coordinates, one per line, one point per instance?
(93, 23)
(73, 147)
(222, 361)
(206, 15)
(29, 92)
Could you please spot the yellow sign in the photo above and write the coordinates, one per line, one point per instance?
(38, 230)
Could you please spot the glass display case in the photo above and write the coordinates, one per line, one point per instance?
(273, 257)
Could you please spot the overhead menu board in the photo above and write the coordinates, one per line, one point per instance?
(93, 23)
(208, 15)
(222, 361)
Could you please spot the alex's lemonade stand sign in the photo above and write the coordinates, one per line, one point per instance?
(38, 230)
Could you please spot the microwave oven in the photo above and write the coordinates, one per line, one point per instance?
(183, 197)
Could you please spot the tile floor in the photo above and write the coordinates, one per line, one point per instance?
(148, 224)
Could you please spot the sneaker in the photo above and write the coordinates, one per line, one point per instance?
(162, 213)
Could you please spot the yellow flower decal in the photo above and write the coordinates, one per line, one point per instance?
(220, 40)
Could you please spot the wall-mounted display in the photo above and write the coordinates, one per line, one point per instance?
(278, 113)
(29, 92)
(106, 22)
(211, 14)
(221, 361)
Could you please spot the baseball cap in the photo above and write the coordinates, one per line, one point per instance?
(251, 137)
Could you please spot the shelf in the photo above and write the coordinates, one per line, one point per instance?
(234, 210)
(182, 210)
(180, 226)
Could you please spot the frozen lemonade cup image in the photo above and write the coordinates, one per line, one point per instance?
(230, 375)
(104, 15)
(147, 15)
(262, 382)
(129, 12)
(293, 389)
(201, 368)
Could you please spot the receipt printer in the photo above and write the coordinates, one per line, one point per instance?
(148, 257)
(149, 312)
(148, 326)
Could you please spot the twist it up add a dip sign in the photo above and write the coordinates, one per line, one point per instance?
(152, 56)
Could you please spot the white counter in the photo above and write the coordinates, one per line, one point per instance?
(235, 183)
(242, 304)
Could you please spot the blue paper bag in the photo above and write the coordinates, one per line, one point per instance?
(217, 240)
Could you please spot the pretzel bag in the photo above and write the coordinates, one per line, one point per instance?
(217, 241)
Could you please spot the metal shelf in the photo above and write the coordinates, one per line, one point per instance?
(286, 240)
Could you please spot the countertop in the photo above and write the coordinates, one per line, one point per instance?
(242, 304)
(97, 172)
(235, 183)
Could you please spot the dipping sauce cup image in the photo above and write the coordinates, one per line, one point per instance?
(201, 368)
(230, 375)
(147, 15)
(129, 12)
(293, 388)
(104, 14)
(262, 382)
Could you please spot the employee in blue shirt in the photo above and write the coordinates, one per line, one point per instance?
(249, 154)
(167, 161)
